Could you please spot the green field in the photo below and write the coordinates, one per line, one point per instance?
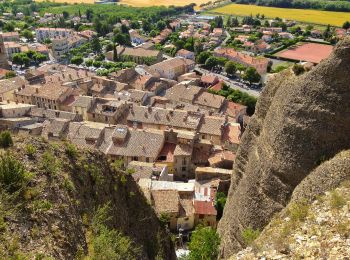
(302, 15)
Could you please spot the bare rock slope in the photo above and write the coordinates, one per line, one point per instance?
(300, 122)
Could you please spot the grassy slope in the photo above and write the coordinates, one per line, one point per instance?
(52, 214)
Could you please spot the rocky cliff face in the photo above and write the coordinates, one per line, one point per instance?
(55, 214)
(300, 121)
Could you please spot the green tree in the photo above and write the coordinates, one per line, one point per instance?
(346, 25)
(65, 15)
(96, 45)
(27, 34)
(251, 75)
(202, 57)
(211, 62)
(77, 60)
(5, 139)
(230, 68)
(161, 25)
(204, 244)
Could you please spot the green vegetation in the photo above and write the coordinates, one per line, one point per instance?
(298, 69)
(298, 211)
(71, 150)
(220, 201)
(237, 96)
(5, 139)
(12, 173)
(337, 201)
(249, 235)
(307, 16)
(251, 75)
(49, 164)
(30, 150)
(10, 74)
(28, 57)
(204, 244)
(107, 243)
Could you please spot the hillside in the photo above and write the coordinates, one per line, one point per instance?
(300, 122)
(73, 204)
(317, 230)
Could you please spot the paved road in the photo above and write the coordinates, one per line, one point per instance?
(233, 84)
(228, 36)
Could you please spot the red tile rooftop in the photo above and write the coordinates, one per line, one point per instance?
(204, 208)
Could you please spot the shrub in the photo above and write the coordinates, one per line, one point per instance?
(298, 69)
(249, 235)
(71, 150)
(12, 173)
(30, 150)
(42, 205)
(298, 211)
(5, 139)
(336, 200)
(48, 163)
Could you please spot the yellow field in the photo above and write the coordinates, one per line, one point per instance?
(141, 3)
(303, 15)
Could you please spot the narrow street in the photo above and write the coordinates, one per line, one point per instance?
(232, 83)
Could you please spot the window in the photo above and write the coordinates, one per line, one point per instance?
(135, 158)
(147, 159)
(201, 216)
(183, 168)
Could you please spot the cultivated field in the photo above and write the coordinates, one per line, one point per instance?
(312, 52)
(303, 15)
(140, 3)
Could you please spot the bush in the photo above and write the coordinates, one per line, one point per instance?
(298, 211)
(109, 243)
(5, 139)
(337, 201)
(48, 163)
(249, 235)
(30, 150)
(298, 69)
(204, 243)
(12, 173)
(71, 150)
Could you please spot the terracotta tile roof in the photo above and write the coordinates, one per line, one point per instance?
(28, 91)
(139, 143)
(51, 91)
(51, 114)
(165, 201)
(167, 117)
(180, 92)
(11, 84)
(183, 150)
(209, 79)
(83, 135)
(56, 128)
(212, 125)
(204, 208)
(209, 100)
(143, 170)
(232, 134)
(234, 109)
(83, 101)
(218, 86)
